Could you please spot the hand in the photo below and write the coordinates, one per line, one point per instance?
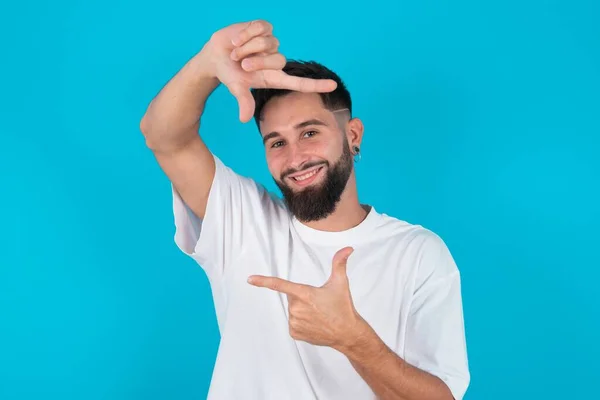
(323, 316)
(245, 56)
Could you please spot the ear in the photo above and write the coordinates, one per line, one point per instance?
(354, 132)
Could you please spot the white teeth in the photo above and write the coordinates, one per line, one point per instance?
(306, 176)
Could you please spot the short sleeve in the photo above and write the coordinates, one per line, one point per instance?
(435, 335)
(235, 205)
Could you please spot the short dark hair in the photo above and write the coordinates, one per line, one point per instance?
(337, 99)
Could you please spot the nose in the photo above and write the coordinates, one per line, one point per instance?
(297, 156)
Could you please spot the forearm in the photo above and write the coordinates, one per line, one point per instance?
(390, 377)
(173, 116)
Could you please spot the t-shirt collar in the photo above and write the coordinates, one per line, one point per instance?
(348, 237)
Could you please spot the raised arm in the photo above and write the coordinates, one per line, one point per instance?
(241, 56)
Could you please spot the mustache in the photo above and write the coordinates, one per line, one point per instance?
(290, 171)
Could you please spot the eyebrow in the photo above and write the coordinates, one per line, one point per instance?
(300, 125)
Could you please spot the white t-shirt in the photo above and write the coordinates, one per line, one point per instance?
(403, 282)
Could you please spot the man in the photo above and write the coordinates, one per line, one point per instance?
(317, 295)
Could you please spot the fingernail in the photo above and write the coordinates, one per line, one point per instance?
(246, 64)
(235, 41)
(250, 280)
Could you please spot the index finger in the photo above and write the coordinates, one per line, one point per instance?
(279, 285)
(254, 28)
(281, 80)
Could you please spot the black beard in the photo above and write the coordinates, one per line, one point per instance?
(318, 202)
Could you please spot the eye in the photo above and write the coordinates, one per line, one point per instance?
(310, 133)
(277, 144)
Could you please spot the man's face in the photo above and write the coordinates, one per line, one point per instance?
(307, 152)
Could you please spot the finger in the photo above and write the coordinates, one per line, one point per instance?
(281, 80)
(279, 285)
(256, 45)
(272, 61)
(246, 103)
(254, 28)
(340, 261)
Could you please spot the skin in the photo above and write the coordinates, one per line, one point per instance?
(242, 56)
(290, 148)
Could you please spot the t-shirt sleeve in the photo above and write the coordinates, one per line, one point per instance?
(235, 205)
(435, 335)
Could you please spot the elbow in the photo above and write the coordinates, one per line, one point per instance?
(145, 129)
(144, 125)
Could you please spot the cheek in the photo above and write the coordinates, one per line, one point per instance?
(331, 151)
(275, 164)
(319, 149)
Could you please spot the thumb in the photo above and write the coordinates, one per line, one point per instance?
(340, 260)
(245, 101)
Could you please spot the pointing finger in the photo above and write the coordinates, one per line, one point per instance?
(281, 80)
(279, 285)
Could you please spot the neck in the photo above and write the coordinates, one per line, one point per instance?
(348, 213)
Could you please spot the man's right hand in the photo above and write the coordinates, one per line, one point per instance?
(245, 55)
(241, 56)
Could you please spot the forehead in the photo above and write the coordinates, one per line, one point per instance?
(282, 113)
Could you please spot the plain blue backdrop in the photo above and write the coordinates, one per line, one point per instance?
(482, 124)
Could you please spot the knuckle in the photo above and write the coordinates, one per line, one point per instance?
(294, 309)
(304, 85)
(281, 60)
(259, 26)
(263, 42)
(266, 25)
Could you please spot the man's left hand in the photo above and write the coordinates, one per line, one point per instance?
(323, 316)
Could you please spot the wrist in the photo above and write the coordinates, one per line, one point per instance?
(362, 342)
(203, 66)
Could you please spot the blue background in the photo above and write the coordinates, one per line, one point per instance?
(482, 124)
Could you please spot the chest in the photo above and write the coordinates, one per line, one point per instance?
(379, 273)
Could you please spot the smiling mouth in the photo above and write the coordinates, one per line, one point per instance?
(306, 177)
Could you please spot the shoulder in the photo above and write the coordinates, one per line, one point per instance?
(416, 235)
(422, 247)
(246, 192)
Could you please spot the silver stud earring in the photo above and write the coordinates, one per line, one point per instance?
(357, 155)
